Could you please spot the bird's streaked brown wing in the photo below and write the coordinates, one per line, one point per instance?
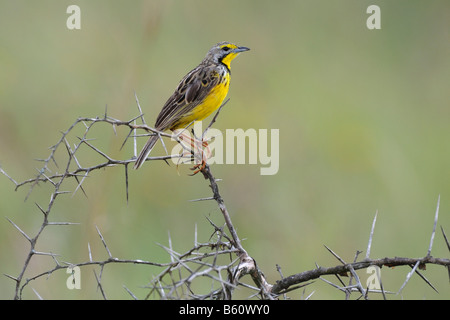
(191, 91)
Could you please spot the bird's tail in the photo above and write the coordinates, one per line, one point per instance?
(145, 151)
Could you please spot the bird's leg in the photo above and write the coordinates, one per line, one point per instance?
(205, 155)
(198, 148)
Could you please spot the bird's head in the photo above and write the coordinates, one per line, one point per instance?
(224, 52)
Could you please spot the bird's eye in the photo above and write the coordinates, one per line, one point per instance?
(226, 48)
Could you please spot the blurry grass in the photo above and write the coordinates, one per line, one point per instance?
(363, 118)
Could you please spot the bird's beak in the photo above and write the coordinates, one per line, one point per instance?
(240, 49)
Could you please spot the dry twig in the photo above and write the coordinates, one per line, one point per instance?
(222, 260)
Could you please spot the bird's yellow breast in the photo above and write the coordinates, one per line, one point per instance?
(210, 104)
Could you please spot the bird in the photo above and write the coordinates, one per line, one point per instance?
(198, 94)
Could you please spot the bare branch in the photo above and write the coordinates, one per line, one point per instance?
(20, 230)
(369, 245)
(222, 260)
(104, 243)
(434, 227)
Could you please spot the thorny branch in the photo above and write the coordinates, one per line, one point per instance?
(223, 259)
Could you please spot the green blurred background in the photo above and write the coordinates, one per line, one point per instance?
(363, 118)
